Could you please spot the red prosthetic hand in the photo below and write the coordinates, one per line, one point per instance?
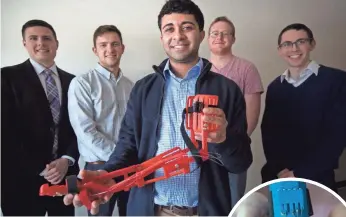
(174, 162)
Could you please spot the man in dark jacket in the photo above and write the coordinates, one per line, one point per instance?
(38, 144)
(153, 117)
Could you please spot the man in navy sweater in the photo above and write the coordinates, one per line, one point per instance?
(152, 125)
(304, 122)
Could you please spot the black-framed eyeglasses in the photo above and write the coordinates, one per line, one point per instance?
(299, 42)
(216, 34)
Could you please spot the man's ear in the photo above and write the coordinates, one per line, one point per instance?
(123, 47)
(202, 35)
(24, 43)
(94, 50)
(57, 44)
(313, 44)
(161, 39)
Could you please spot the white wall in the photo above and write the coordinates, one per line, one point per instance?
(257, 25)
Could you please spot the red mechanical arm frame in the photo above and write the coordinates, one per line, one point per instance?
(174, 162)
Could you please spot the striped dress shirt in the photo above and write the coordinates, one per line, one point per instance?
(39, 69)
(179, 190)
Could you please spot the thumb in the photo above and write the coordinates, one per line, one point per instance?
(88, 174)
(50, 165)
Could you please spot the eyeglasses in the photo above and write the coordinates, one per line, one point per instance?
(216, 34)
(299, 42)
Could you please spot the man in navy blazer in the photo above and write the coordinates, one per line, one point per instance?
(38, 144)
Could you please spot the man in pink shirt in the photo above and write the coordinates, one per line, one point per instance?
(245, 74)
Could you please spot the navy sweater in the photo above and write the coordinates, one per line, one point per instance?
(304, 127)
(139, 135)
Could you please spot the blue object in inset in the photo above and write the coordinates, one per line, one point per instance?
(290, 199)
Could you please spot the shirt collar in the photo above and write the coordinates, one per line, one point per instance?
(195, 71)
(311, 68)
(39, 68)
(107, 74)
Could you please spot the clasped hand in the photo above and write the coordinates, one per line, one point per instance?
(56, 170)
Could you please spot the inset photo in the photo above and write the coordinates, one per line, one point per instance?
(290, 197)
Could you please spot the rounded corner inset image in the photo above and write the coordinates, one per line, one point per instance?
(290, 197)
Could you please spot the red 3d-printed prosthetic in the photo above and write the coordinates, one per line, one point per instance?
(174, 162)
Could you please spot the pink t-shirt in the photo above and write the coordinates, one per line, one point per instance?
(244, 73)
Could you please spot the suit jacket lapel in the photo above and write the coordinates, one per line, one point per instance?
(64, 89)
(35, 86)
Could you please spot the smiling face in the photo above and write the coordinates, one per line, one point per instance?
(181, 37)
(41, 45)
(221, 38)
(295, 47)
(109, 49)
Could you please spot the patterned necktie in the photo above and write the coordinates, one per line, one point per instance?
(54, 102)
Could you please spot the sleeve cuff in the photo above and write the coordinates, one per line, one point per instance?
(71, 160)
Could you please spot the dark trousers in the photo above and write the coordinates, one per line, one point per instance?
(237, 184)
(120, 198)
(326, 178)
(20, 197)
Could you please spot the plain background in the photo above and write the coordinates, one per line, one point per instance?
(257, 24)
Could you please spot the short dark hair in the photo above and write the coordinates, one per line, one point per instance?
(223, 19)
(104, 29)
(32, 23)
(182, 7)
(296, 26)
